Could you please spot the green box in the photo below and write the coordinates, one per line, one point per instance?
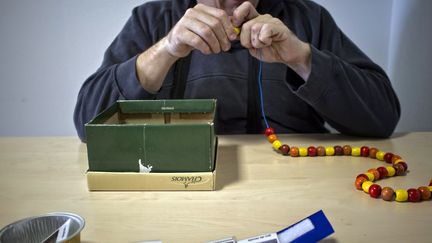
(168, 135)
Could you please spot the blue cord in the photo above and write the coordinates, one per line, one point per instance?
(260, 90)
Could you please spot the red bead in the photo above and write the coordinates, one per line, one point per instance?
(388, 157)
(338, 150)
(269, 131)
(383, 172)
(375, 190)
(414, 195)
(425, 192)
(320, 151)
(312, 152)
(364, 151)
(430, 183)
(284, 149)
(372, 153)
(387, 194)
(294, 152)
(347, 150)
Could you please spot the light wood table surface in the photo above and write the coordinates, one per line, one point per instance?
(258, 191)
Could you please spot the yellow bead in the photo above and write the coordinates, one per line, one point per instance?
(277, 144)
(355, 151)
(237, 30)
(398, 161)
(380, 155)
(366, 185)
(303, 152)
(391, 171)
(329, 151)
(430, 188)
(401, 195)
(370, 176)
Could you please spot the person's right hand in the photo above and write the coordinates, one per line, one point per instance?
(204, 28)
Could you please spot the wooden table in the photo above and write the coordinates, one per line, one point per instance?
(258, 191)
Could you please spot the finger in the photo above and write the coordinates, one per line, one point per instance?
(255, 36)
(245, 35)
(217, 27)
(246, 11)
(222, 17)
(266, 34)
(205, 32)
(195, 41)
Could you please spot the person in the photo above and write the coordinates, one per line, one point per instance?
(312, 73)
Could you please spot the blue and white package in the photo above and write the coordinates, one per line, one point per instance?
(311, 229)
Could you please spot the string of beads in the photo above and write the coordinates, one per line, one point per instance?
(364, 181)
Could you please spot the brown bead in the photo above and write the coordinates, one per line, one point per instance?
(375, 173)
(284, 149)
(405, 165)
(320, 151)
(430, 183)
(338, 150)
(387, 194)
(347, 150)
(400, 170)
(362, 176)
(372, 153)
(395, 157)
(359, 182)
(425, 192)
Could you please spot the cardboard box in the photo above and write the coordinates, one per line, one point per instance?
(133, 181)
(167, 136)
(130, 181)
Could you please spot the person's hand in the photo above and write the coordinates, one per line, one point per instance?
(270, 40)
(204, 28)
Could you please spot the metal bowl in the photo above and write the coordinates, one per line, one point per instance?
(37, 229)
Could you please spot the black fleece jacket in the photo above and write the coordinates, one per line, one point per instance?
(345, 89)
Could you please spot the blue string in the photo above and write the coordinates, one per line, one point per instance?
(260, 90)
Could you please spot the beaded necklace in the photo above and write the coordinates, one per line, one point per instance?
(364, 181)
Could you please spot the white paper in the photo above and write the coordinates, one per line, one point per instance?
(267, 238)
(296, 231)
(63, 231)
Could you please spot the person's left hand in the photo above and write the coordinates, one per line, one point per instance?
(270, 40)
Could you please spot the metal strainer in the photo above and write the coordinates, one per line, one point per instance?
(38, 229)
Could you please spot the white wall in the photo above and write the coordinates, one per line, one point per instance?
(410, 62)
(366, 22)
(49, 47)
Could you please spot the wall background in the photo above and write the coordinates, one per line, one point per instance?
(49, 47)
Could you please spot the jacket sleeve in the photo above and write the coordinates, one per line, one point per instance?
(116, 79)
(352, 94)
